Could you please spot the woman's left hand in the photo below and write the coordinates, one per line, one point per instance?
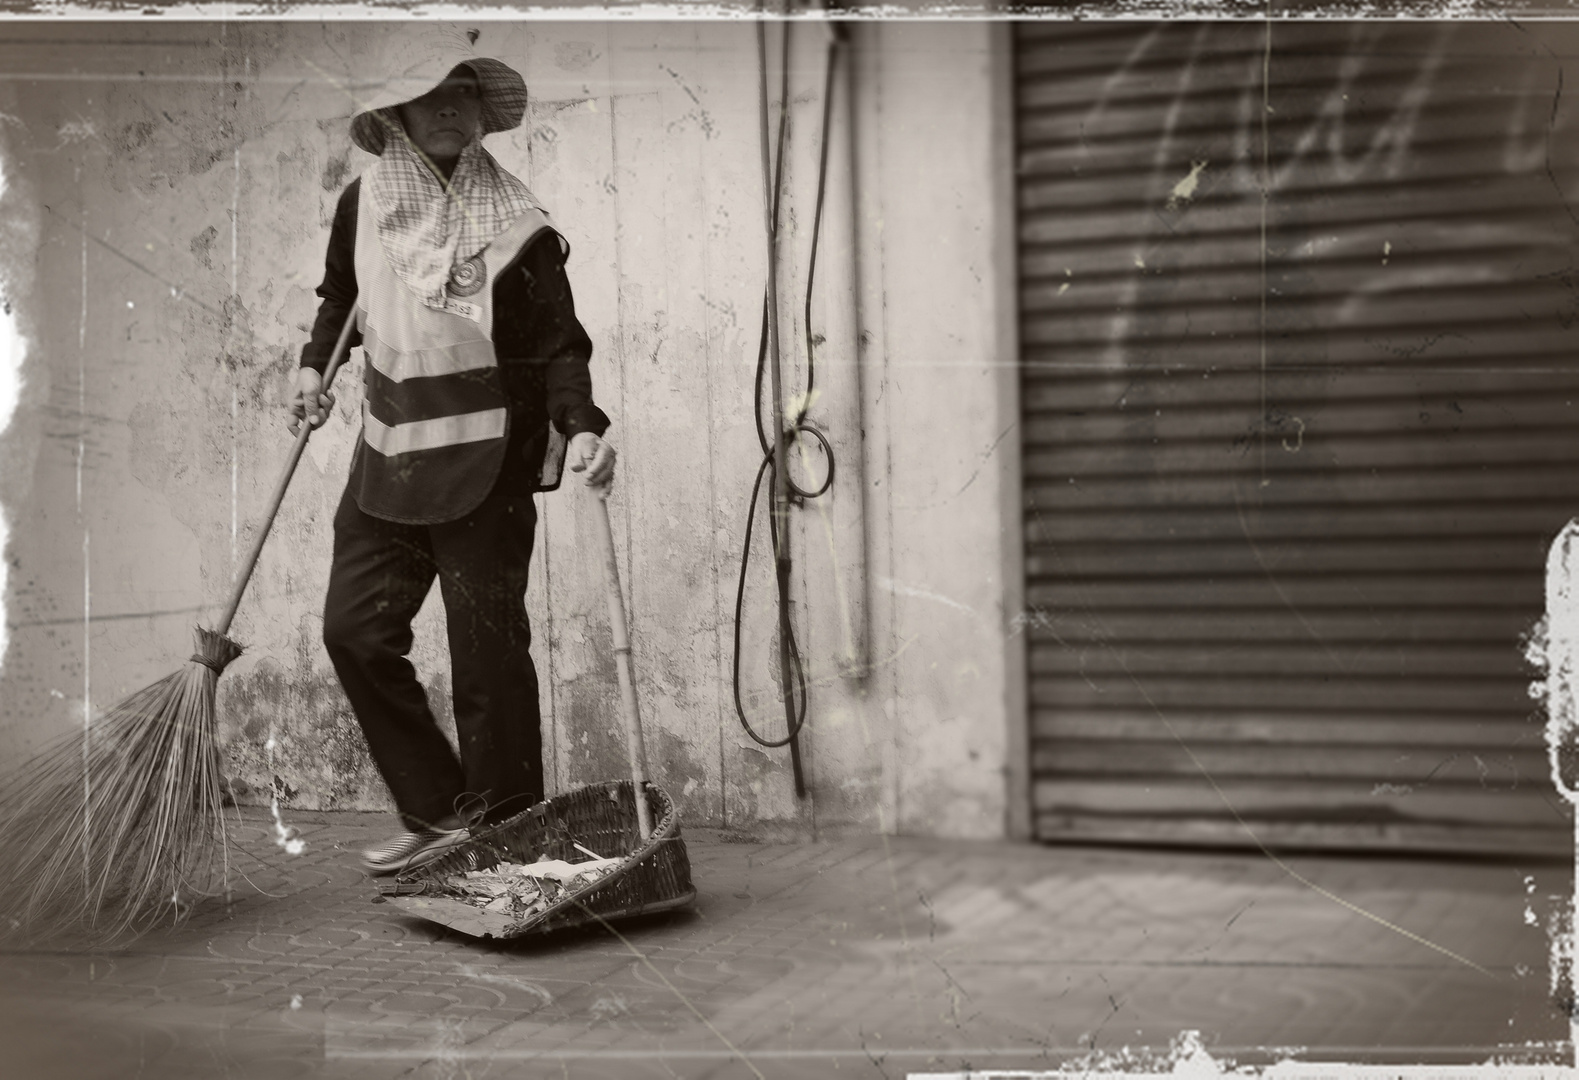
(591, 455)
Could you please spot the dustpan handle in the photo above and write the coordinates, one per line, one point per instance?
(278, 497)
(622, 660)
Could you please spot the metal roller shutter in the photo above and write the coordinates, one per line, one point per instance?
(1300, 420)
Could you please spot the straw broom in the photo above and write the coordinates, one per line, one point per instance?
(107, 832)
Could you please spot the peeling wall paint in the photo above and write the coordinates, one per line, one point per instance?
(17, 234)
(1552, 649)
(183, 177)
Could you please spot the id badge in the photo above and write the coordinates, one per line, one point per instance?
(464, 309)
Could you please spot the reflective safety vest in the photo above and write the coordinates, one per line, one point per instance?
(435, 416)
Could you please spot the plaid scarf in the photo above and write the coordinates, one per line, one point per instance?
(426, 231)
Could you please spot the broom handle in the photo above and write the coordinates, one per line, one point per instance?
(622, 662)
(285, 479)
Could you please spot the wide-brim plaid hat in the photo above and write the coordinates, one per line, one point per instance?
(503, 94)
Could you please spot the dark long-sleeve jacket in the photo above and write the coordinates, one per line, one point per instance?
(541, 346)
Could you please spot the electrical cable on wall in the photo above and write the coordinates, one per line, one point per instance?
(782, 486)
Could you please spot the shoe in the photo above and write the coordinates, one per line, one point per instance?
(412, 849)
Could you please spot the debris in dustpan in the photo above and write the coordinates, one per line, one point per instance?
(525, 890)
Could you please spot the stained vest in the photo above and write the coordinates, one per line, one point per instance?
(435, 416)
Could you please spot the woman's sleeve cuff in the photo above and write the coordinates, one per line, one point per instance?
(579, 418)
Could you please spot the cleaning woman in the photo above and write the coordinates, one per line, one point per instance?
(477, 390)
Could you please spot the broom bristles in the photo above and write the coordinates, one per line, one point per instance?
(108, 831)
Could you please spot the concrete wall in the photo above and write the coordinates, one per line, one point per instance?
(169, 193)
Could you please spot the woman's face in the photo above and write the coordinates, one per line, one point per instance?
(442, 121)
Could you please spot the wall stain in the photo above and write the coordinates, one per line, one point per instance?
(203, 247)
(574, 55)
(589, 723)
(673, 766)
(337, 170)
(319, 755)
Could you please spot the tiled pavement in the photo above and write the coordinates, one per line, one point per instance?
(868, 957)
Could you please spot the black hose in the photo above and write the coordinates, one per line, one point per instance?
(798, 427)
(816, 226)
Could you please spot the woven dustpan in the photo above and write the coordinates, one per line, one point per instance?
(602, 820)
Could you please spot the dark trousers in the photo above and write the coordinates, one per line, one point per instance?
(380, 575)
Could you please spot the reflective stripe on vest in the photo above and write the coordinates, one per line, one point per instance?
(415, 435)
(435, 417)
(398, 366)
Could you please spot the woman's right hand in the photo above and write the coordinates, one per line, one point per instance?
(310, 402)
